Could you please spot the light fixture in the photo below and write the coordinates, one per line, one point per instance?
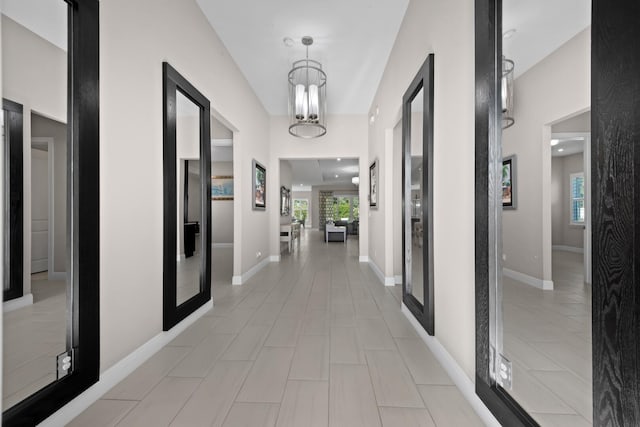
(560, 150)
(307, 97)
(355, 180)
(555, 142)
(507, 93)
(339, 159)
(337, 176)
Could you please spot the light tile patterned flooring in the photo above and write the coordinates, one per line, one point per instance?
(547, 336)
(314, 340)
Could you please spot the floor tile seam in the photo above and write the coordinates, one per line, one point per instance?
(587, 384)
(550, 393)
(184, 403)
(561, 364)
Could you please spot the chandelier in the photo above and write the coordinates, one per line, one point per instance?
(507, 93)
(307, 97)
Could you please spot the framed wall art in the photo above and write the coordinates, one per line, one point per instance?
(509, 182)
(259, 186)
(222, 188)
(373, 184)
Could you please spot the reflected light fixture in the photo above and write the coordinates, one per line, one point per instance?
(307, 97)
(555, 142)
(507, 93)
(355, 180)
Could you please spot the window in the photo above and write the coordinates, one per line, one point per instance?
(576, 198)
(346, 208)
(301, 210)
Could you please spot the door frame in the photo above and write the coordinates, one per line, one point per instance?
(615, 164)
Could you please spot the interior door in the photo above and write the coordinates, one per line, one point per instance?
(39, 210)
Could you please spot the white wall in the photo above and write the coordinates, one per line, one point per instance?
(346, 137)
(222, 210)
(131, 59)
(554, 89)
(285, 181)
(43, 127)
(34, 75)
(427, 29)
(563, 233)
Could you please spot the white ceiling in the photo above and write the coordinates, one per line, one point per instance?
(352, 40)
(541, 27)
(567, 147)
(46, 18)
(309, 172)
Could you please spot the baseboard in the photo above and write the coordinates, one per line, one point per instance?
(222, 245)
(459, 377)
(398, 279)
(121, 370)
(545, 285)
(364, 258)
(239, 280)
(57, 275)
(17, 303)
(568, 249)
(387, 281)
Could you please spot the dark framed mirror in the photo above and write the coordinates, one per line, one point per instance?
(417, 194)
(187, 189)
(597, 384)
(71, 362)
(285, 201)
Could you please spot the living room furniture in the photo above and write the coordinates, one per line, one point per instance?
(335, 233)
(289, 232)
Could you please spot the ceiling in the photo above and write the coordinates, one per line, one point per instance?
(352, 40)
(46, 18)
(309, 172)
(541, 27)
(567, 147)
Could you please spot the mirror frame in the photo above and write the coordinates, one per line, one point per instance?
(83, 219)
(172, 81)
(14, 221)
(424, 313)
(615, 163)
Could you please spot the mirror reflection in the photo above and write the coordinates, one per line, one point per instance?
(35, 184)
(545, 296)
(416, 211)
(189, 203)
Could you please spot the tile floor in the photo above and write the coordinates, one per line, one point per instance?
(547, 336)
(313, 340)
(33, 336)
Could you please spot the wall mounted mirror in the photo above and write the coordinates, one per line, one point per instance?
(417, 172)
(285, 201)
(187, 189)
(51, 202)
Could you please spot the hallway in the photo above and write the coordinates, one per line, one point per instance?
(313, 340)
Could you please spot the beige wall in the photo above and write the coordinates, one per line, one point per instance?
(131, 129)
(43, 127)
(563, 233)
(222, 210)
(554, 89)
(346, 137)
(427, 29)
(39, 88)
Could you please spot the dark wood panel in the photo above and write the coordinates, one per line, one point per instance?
(616, 212)
(14, 173)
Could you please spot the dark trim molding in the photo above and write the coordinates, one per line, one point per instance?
(424, 313)
(84, 188)
(615, 171)
(14, 169)
(172, 82)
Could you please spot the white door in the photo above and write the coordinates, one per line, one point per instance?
(39, 210)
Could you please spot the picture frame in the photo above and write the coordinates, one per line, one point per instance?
(285, 201)
(509, 190)
(373, 184)
(222, 187)
(259, 186)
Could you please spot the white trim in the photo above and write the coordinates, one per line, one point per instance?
(239, 280)
(387, 281)
(546, 285)
(222, 245)
(17, 303)
(398, 279)
(459, 377)
(51, 202)
(568, 249)
(364, 258)
(121, 370)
